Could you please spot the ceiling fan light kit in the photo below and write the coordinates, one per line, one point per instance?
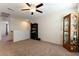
(33, 8)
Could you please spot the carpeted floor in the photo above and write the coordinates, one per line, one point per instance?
(33, 48)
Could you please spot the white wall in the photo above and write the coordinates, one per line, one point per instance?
(78, 8)
(20, 28)
(20, 35)
(50, 27)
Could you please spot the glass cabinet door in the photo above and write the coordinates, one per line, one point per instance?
(73, 32)
(73, 23)
(66, 37)
(73, 37)
(66, 31)
(66, 24)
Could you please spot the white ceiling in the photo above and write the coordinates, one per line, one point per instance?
(46, 8)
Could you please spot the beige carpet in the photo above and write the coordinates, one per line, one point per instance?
(33, 48)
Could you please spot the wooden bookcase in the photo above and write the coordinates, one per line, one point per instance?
(70, 32)
(34, 31)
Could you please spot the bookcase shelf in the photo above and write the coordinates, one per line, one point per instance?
(34, 31)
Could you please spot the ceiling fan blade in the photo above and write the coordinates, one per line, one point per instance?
(41, 4)
(39, 11)
(28, 4)
(31, 13)
(24, 9)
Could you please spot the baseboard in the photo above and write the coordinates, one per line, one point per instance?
(20, 40)
(41, 41)
(51, 43)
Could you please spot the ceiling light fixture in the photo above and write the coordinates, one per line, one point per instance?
(32, 8)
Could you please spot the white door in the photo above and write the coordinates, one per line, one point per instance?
(3, 31)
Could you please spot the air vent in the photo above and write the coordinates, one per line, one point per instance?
(10, 9)
(4, 14)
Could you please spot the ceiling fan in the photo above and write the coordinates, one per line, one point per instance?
(33, 8)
